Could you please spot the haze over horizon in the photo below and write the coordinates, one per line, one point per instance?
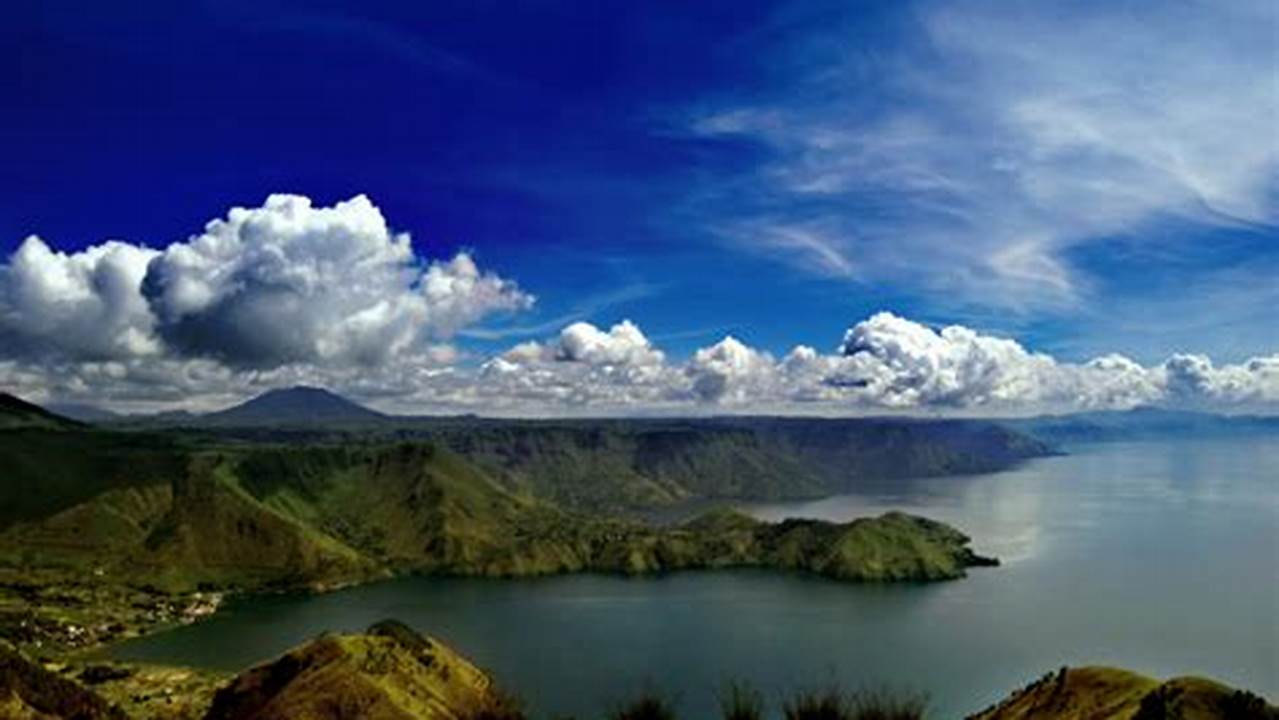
(772, 207)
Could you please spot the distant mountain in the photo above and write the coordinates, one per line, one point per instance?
(83, 412)
(299, 405)
(1142, 422)
(16, 413)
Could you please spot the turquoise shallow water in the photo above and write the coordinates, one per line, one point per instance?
(1160, 556)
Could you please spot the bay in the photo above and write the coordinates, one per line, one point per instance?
(1159, 556)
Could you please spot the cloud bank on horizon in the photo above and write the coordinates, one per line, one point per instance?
(290, 293)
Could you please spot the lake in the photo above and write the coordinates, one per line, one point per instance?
(1162, 557)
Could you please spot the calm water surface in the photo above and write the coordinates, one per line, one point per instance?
(1162, 557)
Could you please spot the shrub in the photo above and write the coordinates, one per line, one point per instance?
(500, 706)
(833, 703)
(829, 703)
(741, 701)
(650, 705)
(888, 705)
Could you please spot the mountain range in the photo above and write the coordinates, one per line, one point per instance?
(1142, 422)
(303, 408)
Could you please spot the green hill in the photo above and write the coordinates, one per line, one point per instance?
(619, 464)
(388, 673)
(254, 516)
(47, 472)
(16, 414)
(1101, 693)
(30, 692)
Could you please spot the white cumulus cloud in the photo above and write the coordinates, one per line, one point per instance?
(83, 304)
(282, 284)
(885, 363)
(289, 282)
(583, 366)
(289, 293)
(729, 371)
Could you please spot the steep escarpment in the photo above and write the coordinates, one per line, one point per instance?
(849, 451)
(262, 516)
(618, 464)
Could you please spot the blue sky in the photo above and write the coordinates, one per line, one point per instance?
(1084, 177)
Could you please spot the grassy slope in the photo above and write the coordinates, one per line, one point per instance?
(217, 532)
(389, 673)
(262, 515)
(16, 413)
(616, 464)
(1101, 693)
(847, 451)
(28, 691)
(45, 472)
(611, 465)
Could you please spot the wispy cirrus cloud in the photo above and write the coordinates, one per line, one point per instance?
(968, 155)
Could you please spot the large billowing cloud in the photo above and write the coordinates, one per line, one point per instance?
(83, 305)
(288, 282)
(905, 364)
(1194, 379)
(899, 363)
(282, 284)
(731, 372)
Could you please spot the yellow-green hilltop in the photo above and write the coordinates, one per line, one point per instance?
(1098, 693)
